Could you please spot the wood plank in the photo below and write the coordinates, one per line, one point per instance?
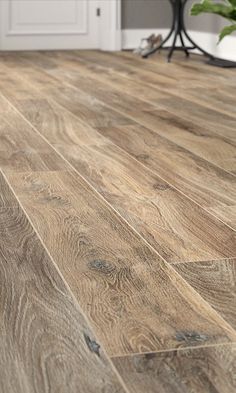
(211, 98)
(46, 343)
(206, 144)
(167, 120)
(203, 182)
(9, 59)
(111, 62)
(30, 161)
(88, 108)
(144, 71)
(215, 281)
(175, 226)
(225, 213)
(217, 122)
(56, 124)
(199, 140)
(16, 134)
(22, 149)
(113, 274)
(194, 68)
(197, 63)
(198, 370)
(185, 80)
(7, 198)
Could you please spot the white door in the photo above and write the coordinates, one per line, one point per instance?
(49, 24)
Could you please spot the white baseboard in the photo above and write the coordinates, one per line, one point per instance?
(208, 41)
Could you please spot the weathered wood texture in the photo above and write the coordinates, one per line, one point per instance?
(114, 275)
(86, 91)
(45, 342)
(7, 198)
(156, 145)
(215, 281)
(21, 148)
(208, 370)
(171, 223)
(208, 185)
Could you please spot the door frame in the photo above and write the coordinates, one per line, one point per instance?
(110, 25)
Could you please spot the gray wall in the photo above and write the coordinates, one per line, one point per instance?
(148, 14)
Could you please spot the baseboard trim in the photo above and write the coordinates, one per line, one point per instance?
(226, 49)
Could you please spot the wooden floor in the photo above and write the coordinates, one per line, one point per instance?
(117, 224)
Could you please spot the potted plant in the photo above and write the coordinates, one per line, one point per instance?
(226, 9)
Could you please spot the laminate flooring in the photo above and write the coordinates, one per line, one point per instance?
(117, 224)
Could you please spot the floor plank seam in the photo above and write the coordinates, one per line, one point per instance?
(181, 349)
(202, 260)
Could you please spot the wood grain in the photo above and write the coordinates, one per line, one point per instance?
(176, 227)
(194, 70)
(156, 142)
(83, 105)
(207, 144)
(161, 215)
(46, 344)
(212, 100)
(218, 122)
(203, 182)
(215, 281)
(189, 75)
(90, 109)
(151, 119)
(188, 176)
(113, 63)
(177, 128)
(198, 140)
(226, 214)
(170, 122)
(185, 83)
(156, 210)
(208, 370)
(193, 79)
(160, 219)
(152, 75)
(22, 149)
(7, 198)
(114, 275)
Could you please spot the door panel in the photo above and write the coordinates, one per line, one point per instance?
(49, 24)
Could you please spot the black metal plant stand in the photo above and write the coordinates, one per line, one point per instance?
(178, 30)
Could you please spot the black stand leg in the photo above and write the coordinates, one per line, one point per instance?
(173, 47)
(179, 30)
(183, 45)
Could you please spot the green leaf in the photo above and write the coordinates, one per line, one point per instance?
(207, 6)
(232, 2)
(226, 31)
(226, 9)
